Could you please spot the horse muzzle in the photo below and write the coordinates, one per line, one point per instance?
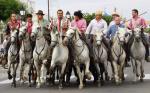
(53, 44)
(137, 39)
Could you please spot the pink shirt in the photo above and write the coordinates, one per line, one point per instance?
(80, 24)
(137, 22)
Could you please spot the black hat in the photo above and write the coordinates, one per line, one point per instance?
(40, 12)
(29, 15)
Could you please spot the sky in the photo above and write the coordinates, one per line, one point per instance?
(124, 7)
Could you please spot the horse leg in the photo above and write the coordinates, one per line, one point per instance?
(21, 70)
(38, 67)
(112, 70)
(134, 69)
(80, 76)
(116, 72)
(15, 66)
(87, 71)
(52, 73)
(106, 70)
(43, 71)
(30, 74)
(62, 76)
(102, 69)
(68, 72)
(98, 71)
(142, 70)
(9, 72)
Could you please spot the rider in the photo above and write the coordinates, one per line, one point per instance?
(13, 24)
(99, 23)
(135, 22)
(41, 23)
(29, 24)
(114, 15)
(62, 23)
(113, 28)
(80, 23)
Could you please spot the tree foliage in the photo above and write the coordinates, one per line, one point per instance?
(8, 6)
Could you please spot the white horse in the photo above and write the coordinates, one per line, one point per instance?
(41, 53)
(100, 56)
(25, 55)
(59, 55)
(81, 54)
(119, 55)
(138, 55)
(12, 56)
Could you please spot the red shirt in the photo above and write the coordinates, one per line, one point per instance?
(14, 24)
(29, 27)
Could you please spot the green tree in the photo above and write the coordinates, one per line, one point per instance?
(7, 6)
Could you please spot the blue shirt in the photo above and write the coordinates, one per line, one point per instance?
(113, 29)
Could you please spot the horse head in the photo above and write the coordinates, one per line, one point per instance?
(14, 36)
(98, 36)
(22, 32)
(137, 32)
(71, 35)
(54, 38)
(121, 35)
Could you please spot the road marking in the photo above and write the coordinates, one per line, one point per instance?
(147, 77)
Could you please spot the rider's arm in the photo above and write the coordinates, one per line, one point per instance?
(143, 23)
(89, 28)
(109, 32)
(7, 30)
(105, 27)
(84, 26)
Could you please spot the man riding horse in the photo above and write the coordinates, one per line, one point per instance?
(136, 22)
(97, 23)
(12, 25)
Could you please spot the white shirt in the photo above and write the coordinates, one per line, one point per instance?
(96, 25)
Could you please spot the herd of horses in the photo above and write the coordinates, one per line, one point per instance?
(39, 66)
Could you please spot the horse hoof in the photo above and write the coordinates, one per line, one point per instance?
(13, 85)
(143, 76)
(99, 84)
(141, 80)
(61, 86)
(29, 85)
(21, 82)
(88, 76)
(117, 83)
(81, 87)
(38, 86)
(9, 77)
(107, 78)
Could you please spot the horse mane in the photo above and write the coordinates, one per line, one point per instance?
(77, 34)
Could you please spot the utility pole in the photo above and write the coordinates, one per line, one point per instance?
(48, 11)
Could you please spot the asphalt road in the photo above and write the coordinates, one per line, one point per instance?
(127, 87)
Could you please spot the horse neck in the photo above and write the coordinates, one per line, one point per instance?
(26, 43)
(40, 40)
(60, 39)
(116, 45)
(77, 38)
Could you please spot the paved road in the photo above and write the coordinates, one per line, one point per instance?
(109, 87)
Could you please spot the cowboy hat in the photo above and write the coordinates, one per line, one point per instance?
(115, 14)
(99, 12)
(40, 12)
